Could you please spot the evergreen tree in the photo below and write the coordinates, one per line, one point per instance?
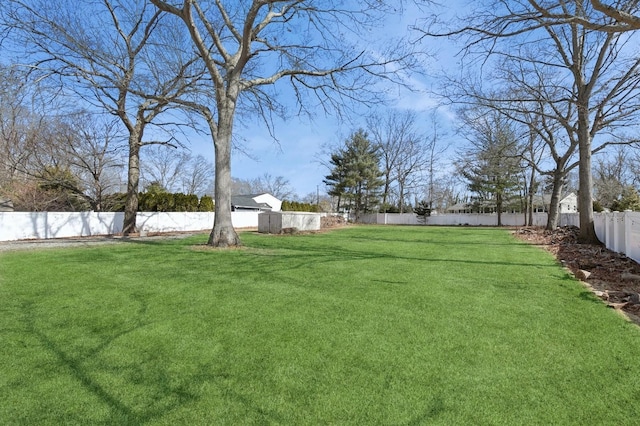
(422, 210)
(629, 200)
(356, 175)
(336, 181)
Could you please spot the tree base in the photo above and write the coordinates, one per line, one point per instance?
(224, 237)
(588, 235)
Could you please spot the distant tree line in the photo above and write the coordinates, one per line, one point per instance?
(390, 167)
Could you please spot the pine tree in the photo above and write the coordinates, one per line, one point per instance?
(356, 176)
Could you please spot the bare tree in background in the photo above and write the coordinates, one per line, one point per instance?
(75, 162)
(78, 154)
(91, 149)
(433, 157)
(278, 186)
(248, 47)
(164, 165)
(21, 125)
(197, 177)
(176, 170)
(115, 55)
(596, 72)
(403, 153)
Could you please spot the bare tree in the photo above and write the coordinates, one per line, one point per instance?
(623, 14)
(176, 170)
(278, 186)
(403, 153)
(442, 191)
(197, 177)
(91, 149)
(242, 186)
(248, 47)
(108, 54)
(79, 156)
(433, 157)
(165, 166)
(597, 78)
(20, 125)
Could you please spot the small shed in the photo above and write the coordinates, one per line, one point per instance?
(282, 222)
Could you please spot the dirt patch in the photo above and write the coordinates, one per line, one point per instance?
(87, 241)
(611, 276)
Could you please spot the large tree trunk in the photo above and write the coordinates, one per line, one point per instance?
(585, 198)
(587, 233)
(554, 205)
(530, 195)
(223, 234)
(401, 196)
(133, 182)
(385, 195)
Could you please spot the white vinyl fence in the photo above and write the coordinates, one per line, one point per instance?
(471, 219)
(44, 225)
(620, 232)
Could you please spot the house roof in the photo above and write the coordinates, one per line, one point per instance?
(459, 206)
(247, 202)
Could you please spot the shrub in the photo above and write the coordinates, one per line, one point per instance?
(206, 204)
(191, 203)
(147, 202)
(296, 206)
(114, 202)
(597, 207)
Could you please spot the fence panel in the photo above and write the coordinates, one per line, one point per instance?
(633, 235)
(44, 225)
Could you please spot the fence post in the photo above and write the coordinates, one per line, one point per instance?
(615, 224)
(627, 231)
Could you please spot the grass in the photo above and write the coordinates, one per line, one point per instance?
(365, 325)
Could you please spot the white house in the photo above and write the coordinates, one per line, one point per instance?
(255, 202)
(266, 198)
(569, 204)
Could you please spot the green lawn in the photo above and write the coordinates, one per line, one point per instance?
(364, 325)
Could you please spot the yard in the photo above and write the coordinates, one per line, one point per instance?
(363, 325)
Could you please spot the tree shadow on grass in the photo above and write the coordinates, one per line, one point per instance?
(74, 366)
(120, 412)
(298, 257)
(165, 394)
